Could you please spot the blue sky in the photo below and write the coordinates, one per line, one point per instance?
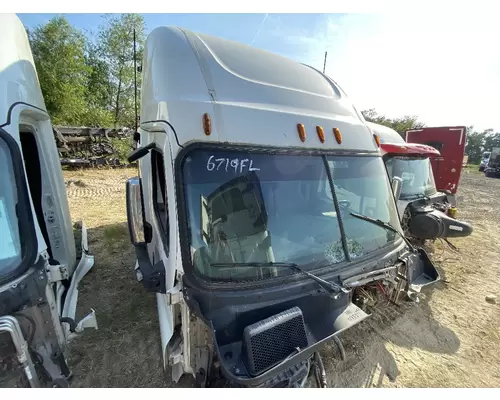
(444, 68)
(256, 29)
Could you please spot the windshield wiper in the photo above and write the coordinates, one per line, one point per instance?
(385, 225)
(332, 288)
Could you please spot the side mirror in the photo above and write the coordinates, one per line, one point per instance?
(135, 212)
(397, 185)
(140, 152)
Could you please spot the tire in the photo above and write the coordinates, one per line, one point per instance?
(481, 169)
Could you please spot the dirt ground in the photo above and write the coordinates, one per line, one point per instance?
(450, 339)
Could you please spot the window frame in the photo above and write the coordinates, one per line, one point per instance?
(184, 230)
(157, 154)
(27, 233)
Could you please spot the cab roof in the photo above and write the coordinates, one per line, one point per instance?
(386, 134)
(252, 96)
(409, 150)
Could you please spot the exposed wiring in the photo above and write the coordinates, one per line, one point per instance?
(340, 346)
(303, 382)
(320, 371)
(451, 245)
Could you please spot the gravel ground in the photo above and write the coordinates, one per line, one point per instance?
(449, 339)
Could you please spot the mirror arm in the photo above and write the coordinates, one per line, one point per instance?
(140, 152)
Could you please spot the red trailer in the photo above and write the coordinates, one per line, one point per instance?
(450, 142)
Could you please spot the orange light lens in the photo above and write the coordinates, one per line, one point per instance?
(302, 132)
(338, 135)
(321, 134)
(207, 124)
(377, 140)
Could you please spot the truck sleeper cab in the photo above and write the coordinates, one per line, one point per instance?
(39, 266)
(425, 212)
(257, 204)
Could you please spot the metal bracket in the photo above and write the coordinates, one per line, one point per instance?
(87, 322)
(174, 295)
(57, 273)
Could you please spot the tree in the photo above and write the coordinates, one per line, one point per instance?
(400, 125)
(59, 54)
(98, 89)
(491, 140)
(117, 50)
(474, 145)
(478, 142)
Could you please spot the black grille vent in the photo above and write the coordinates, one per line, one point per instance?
(273, 339)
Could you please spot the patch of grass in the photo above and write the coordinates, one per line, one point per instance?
(116, 232)
(123, 147)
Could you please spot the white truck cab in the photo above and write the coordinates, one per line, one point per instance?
(39, 266)
(258, 202)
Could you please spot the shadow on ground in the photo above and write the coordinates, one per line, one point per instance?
(126, 351)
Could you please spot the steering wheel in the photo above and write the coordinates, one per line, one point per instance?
(344, 205)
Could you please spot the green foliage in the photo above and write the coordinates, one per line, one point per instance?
(88, 84)
(479, 142)
(116, 39)
(59, 54)
(123, 147)
(400, 125)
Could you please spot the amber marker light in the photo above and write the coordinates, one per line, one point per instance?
(207, 124)
(338, 135)
(321, 134)
(302, 132)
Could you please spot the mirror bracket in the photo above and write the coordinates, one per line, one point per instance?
(153, 276)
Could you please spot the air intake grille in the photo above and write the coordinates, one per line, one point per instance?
(271, 340)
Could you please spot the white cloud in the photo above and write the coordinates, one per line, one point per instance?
(445, 68)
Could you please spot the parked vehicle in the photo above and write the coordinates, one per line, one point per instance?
(425, 210)
(262, 198)
(492, 169)
(40, 268)
(484, 160)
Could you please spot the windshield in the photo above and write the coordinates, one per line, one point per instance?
(255, 207)
(10, 245)
(416, 173)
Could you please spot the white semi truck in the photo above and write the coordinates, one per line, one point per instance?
(261, 208)
(39, 266)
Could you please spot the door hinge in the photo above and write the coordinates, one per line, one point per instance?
(57, 273)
